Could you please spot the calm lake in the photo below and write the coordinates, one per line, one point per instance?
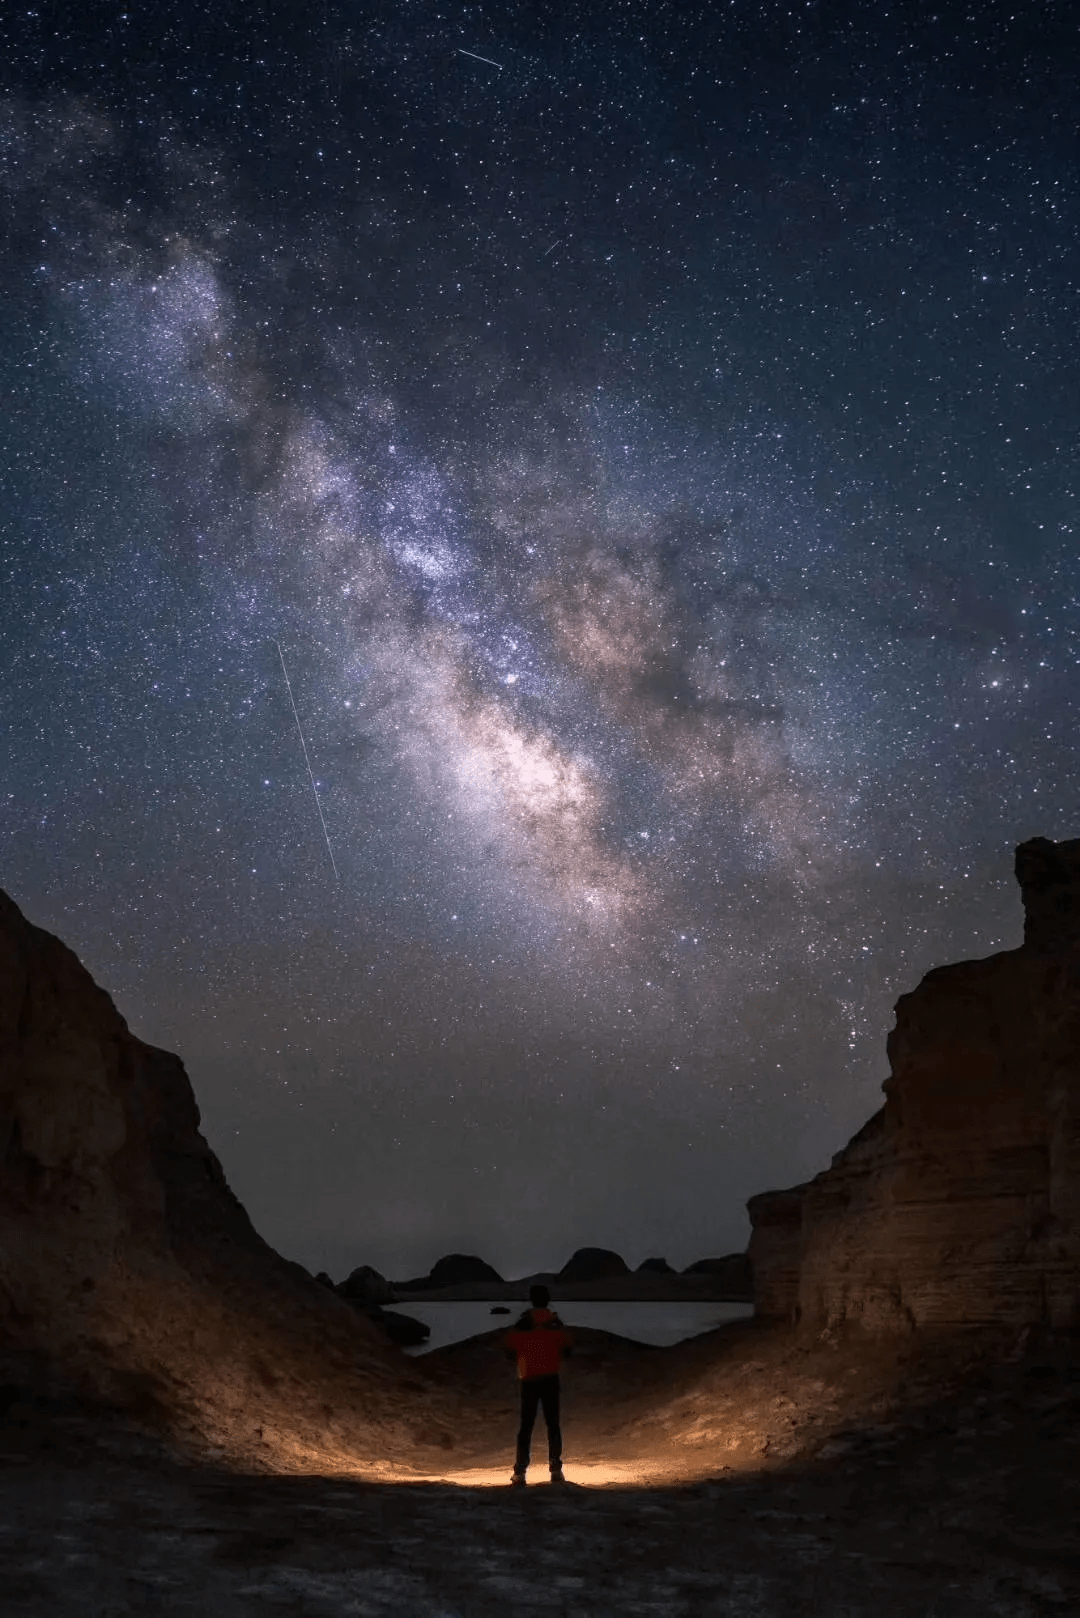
(659, 1323)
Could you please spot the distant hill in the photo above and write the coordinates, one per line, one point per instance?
(454, 1270)
(596, 1273)
(593, 1264)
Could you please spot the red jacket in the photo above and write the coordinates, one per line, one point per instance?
(539, 1341)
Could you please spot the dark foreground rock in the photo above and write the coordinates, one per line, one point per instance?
(958, 1204)
(403, 1330)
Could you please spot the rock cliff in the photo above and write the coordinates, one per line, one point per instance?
(958, 1204)
(130, 1273)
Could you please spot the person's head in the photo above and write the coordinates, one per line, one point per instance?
(539, 1297)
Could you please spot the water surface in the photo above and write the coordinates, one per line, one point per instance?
(657, 1323)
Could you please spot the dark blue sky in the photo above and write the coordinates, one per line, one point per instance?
(654, 451)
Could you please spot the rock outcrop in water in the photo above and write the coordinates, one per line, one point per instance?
(453, 1270)
(593, 1264)
(366, 1290)
(958, 1204)
(128, 1270)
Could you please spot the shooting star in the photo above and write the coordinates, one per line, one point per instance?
(307, 761)
(463, 52)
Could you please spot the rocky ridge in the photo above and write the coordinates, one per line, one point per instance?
(590, 1274)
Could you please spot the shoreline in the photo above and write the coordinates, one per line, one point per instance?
(616, 1290)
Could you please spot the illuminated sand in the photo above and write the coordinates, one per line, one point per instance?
(964, 1504)
(585, 1474)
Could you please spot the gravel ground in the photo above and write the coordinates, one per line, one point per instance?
(903, 1499)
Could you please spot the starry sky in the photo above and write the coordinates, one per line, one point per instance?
(633, 449)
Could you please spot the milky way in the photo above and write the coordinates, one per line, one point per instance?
(650, 439)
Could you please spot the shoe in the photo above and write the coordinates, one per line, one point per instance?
(517, 1480)
(557, 1475)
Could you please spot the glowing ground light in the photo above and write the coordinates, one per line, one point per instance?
(585, 1474)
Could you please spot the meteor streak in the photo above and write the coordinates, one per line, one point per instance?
(307, 761)
(463, 52)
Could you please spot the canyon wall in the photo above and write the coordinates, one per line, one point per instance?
(128, 1270)
(958, 1204)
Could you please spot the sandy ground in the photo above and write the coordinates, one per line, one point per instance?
(742, 1474)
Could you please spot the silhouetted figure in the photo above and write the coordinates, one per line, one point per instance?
(538, 1342)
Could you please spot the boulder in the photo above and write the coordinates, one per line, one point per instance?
(654, 1266)
(130, 1273)
(958, 1204)
(593, 1264)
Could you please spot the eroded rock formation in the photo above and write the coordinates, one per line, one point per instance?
(365, 1285)
(453, 1270)
(958, 1204)
(128, 1270)
(593, 1264)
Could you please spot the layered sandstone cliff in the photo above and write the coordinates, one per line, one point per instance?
(128, 1270)
(958, 1204)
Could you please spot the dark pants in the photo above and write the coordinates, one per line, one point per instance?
(537, 1391)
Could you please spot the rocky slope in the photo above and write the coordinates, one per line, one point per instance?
(958, 1204)
(130, 1273)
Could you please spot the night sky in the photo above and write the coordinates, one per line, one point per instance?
(651, 453)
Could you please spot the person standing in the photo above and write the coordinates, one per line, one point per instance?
(538, 1342)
